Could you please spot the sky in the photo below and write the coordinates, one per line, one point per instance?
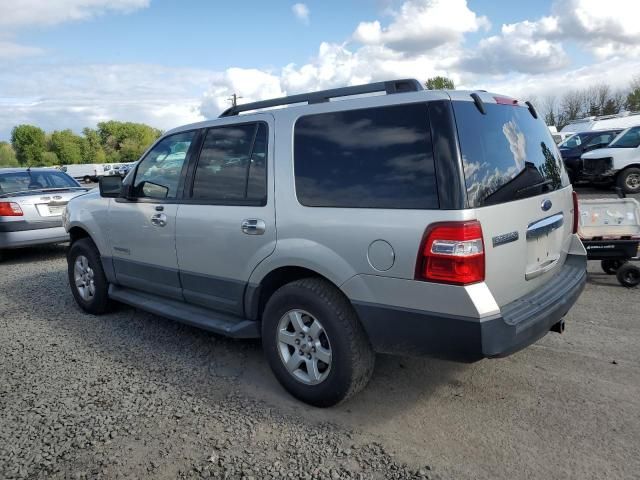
(74, 63)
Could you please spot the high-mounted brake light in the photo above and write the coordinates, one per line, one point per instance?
(576, 213)
(10, 209)
(506, 101)
(452, 252)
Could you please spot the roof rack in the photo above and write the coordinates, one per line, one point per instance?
(393, 86)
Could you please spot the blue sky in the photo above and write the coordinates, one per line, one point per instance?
(72, 63)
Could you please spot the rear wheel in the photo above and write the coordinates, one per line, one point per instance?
(87, 280)
(610, 267)
(629, 180)
(315, 343)
(628, 275)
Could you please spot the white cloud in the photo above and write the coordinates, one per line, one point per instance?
(521, 47)
(14, 14)
(301, 11)
(422, 25)
(10, 49)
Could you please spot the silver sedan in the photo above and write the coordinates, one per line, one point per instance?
(31, 204)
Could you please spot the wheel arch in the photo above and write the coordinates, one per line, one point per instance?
(257, 295)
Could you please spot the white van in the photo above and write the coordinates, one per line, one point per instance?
(87, 172)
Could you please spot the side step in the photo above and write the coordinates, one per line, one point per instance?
(228, 325)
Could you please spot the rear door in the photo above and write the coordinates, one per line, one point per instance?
(226, 223)
(516, 181)
(142, 227)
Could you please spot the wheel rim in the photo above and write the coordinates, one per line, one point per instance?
(83, 276)
(304, 347)
(631, 276)
(633, 181)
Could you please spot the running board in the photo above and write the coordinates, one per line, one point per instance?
(224, 324)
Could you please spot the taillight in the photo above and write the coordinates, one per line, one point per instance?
(452, 252)
(10, 209)
(576, 213)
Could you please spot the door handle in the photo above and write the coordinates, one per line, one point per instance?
(159, 220)
(253, 226)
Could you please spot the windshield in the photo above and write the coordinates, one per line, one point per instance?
(628, 139)
(507, 154)
(574, 140)
(35, 180)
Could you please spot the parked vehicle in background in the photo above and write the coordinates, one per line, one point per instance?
(606, 122)
(619, 163)
(31, 205)
(87, 172)
(124, 169)
(573, 147)
(417, 222)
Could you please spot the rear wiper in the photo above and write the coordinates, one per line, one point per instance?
(532, 186)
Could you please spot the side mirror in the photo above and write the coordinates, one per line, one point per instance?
(110, 187)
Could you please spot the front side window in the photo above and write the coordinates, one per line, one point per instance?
(572, 142)
(232, 165)
(158, 174)
(369, 158)
(628, 139)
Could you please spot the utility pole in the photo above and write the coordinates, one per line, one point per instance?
(233, 99)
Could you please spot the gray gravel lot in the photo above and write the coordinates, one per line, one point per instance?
(132, 395)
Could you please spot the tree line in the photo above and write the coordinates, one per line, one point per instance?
(110, 142)
(558, 110)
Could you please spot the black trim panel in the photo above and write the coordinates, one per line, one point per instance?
(213, 292)
(148, 278)
(23, 225)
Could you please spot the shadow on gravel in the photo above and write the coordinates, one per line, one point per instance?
(32, 254)
(203, 364)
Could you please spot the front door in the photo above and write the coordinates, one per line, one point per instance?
(143, 226)
(225, 225)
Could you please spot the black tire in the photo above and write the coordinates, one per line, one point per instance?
(610, 267)
(352, 357)
(86, 179)
(628, 275)
(99, 302)
(629, 180)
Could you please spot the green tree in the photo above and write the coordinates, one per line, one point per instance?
(50, 159)
(633, 97)
(125, 141)
(7, 155)
(439, 83)
(29, 144)
(92, 151)
(67, 146)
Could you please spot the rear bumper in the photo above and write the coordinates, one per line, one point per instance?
(26, 238)
(519, 324)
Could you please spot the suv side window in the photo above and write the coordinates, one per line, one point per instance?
(232, 165)
(378, 157)
(158, 174)
(600, 139)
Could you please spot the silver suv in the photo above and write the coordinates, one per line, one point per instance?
(412, 222)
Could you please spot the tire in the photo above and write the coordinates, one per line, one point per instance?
(610, 267)
(629, 180)
(86, 179)
(318, 304)
(628, 275)
(97, 300)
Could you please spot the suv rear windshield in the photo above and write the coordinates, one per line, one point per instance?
(507, 154)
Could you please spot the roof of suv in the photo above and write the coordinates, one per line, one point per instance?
(352, 95)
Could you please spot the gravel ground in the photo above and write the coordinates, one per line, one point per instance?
(132, 395)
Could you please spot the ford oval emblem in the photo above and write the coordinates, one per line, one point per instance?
(546, 205)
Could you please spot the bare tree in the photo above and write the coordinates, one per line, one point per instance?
(572, 105)
(549, 110)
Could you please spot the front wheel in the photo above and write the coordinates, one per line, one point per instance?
(629, 180)
(315, 344)
(87, 280)
(628, 275)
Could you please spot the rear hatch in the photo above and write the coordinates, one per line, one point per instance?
(516, 182)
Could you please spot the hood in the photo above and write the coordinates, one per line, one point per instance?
(603, 152)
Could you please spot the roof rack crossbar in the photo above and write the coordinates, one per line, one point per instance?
(393, 86)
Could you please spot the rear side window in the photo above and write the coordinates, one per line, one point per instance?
(507, 154)
(232, 165)
(370, 158)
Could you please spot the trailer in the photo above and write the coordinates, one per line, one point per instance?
(610, 231)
